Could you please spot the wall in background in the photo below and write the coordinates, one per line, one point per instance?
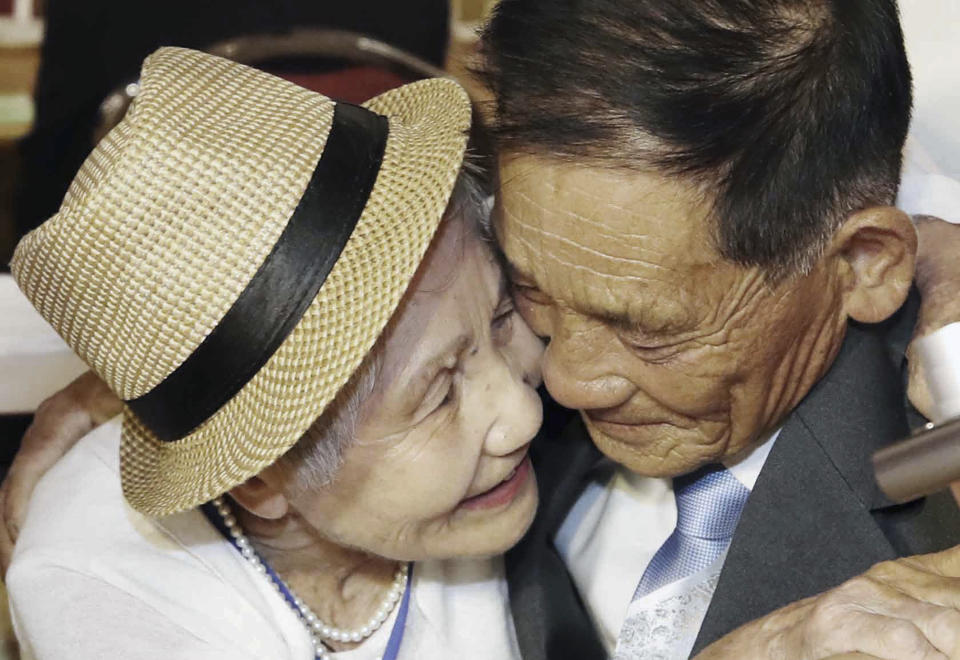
(932, 32)
(21, 22)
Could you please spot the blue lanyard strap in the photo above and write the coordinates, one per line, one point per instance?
(400, 625)
(396, 635)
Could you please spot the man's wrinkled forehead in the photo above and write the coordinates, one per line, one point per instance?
(622, 246)
(614, 221)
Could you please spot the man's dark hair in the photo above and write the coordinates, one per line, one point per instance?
(791, 113)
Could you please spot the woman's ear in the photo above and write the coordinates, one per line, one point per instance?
(261, 499)
(876, 251)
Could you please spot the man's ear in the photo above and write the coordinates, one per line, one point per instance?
(875, 250)
(261, 498)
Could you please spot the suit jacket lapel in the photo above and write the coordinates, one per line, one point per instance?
(549, 617)
(808, 525)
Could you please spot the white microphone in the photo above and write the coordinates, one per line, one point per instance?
(929, 460)
(939, 355)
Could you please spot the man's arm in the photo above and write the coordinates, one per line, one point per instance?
(907, 608)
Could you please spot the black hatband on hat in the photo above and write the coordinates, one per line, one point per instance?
(284, 286)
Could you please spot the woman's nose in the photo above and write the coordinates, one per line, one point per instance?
(518, 412)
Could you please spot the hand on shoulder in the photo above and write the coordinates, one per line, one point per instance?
(905, 608)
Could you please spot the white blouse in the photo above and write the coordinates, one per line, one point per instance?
(92, 578)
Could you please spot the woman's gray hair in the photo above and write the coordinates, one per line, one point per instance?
(315, 458)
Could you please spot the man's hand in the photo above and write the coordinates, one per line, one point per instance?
(938, 279)
(907, 608)
(59, 422)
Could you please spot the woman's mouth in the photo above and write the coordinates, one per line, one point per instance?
(504, 492)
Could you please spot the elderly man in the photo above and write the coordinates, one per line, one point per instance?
(696, 207)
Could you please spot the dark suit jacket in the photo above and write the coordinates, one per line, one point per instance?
(814, 518)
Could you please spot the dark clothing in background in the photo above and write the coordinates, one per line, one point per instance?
(92, 47)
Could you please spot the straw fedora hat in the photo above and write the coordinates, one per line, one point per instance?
(230, 252)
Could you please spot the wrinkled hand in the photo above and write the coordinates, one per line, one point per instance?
(59, 422)
(938, 279)
(907, 608)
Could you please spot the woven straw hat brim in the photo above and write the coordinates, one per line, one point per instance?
(429, 123)
(428, 127)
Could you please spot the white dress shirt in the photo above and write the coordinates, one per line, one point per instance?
(615, 528)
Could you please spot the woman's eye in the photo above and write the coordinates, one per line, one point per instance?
(503, 315)
(447, 398)
(502, 323)
(448, 394)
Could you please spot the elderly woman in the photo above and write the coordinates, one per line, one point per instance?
(324, 434)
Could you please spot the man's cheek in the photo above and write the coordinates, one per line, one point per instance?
(697, 385)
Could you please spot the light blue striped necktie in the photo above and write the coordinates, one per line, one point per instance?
(709, 503)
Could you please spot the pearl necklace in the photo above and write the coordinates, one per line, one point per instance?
(318, 630)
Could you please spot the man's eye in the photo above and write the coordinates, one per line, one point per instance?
(652, 349)
(531, 294)
(655, 354)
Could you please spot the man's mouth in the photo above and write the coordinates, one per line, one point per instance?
(504, 492)
(633, 431)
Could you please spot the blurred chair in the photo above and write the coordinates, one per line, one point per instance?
(338, 63)
(92, 47)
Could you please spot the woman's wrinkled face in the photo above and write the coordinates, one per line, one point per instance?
(439, 467)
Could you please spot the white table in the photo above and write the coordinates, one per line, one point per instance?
(34, 361)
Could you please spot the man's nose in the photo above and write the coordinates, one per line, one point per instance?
(580, 366)
(571, 387)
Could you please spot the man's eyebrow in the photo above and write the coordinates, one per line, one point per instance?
(652, 323)
(512, 272)
(622, 322)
